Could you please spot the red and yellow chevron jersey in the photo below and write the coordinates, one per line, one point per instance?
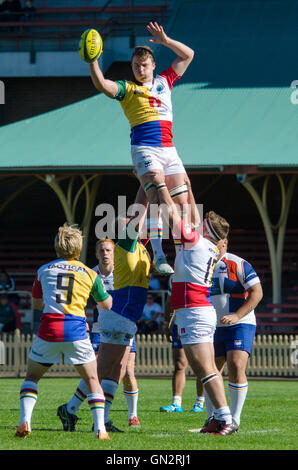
(148, 108)
(65, 287)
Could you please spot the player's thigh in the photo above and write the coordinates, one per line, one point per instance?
(201, 358)
(220, 363)
(35, 370)
(112, 360)
(177, 188)
(148, 184)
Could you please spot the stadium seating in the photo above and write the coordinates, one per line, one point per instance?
(64, 20)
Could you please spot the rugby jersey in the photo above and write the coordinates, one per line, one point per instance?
(148, 108)
(231, 278)
(65, 287)
(131, 277)
(194, 266)
(108, 282)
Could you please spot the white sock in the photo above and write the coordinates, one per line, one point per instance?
(209, 405)
(155, 236)
(109, 388)
(78, 398)
(131, 398)
(177, 400)
(28, 398)
(96, 402)
(223, 414)
(200, 400)
(237, 394)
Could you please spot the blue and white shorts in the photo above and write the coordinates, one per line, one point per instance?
(235, 337)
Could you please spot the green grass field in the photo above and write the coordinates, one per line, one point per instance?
(269, 420)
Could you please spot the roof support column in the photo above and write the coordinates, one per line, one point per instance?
(69, 200)
(275, 249)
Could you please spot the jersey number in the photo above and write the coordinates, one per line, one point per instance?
(210, 268)
(65, 287)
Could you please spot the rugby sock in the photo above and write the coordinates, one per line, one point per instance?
(109, 388)
(200, 400)
(28, 397)
(78, 398)
(223, 414)
(209, 405)
(237, 394)
(131, 398)
(155, 230)
(96, 402)
(177, 400)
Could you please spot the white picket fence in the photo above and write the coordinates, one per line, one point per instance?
(272, 356)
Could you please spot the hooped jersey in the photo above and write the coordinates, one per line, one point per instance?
(231, 278)
(108, 282)
(194, 266)
(65, 287)
(148, 108)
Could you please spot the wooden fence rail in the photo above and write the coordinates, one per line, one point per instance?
(272, 356)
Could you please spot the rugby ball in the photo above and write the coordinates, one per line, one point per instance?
(90, 46)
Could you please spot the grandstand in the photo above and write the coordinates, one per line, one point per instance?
(234, 126)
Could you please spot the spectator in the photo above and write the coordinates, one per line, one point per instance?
(152, 316)
(6, 282)
(10, 10)
(28, 11)
(154, 283)
(8, 317)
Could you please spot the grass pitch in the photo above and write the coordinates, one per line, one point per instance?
(269, 419)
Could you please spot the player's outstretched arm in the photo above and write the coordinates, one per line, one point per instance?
(102, 84)
(185, 54)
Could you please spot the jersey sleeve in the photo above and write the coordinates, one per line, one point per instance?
(171, 76)
(37, 289)
(98, 291)
(129, 239)
(120, 95)
(248, 275)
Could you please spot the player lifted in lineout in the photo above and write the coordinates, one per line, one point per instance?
(147, 104)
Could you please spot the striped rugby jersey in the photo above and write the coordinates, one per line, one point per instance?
(194, 266)
(65, 287)
(148, 108)
(231, 278)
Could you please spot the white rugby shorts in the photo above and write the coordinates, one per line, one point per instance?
(196, 324)
(147, 158)
(75, 352)
(116, 329)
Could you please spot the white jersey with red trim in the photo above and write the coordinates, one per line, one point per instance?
(194, 266)
(231, 278)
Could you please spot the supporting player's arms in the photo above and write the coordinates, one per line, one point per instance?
(102, 84)
(185, 54)
(255, 295)
(106, 304)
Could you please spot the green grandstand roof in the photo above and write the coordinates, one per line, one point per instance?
(212, 127)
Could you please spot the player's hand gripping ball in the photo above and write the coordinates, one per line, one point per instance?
(90, 46)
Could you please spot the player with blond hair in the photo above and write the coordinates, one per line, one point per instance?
(61, 290)
(147, 105)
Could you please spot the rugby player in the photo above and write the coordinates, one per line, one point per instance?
(147, 106)
(61, 290)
